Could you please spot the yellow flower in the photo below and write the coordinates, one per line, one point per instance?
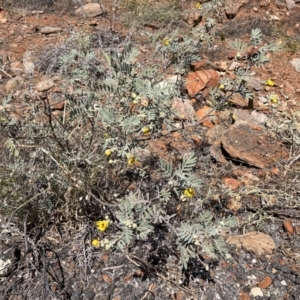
(102, 225)
(270, 82)
(166, 42)
(221, 87)
(189, 192)
(274, 99)
(198, 5)
(96, 243)
(145, 130)
(107, 152)
(131, 160)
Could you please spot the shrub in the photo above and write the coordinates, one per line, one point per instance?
(78, 163)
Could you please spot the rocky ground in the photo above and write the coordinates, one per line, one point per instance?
(248, 164)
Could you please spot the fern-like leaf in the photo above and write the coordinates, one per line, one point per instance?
(239, 46)
(187, 165)
(167, 168)
(256, 36)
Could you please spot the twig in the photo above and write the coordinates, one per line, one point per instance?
(6, 73)
(25, 236)
(294, 159)
(84, 250)
(148, 291)
(101, 202)
(112, 268)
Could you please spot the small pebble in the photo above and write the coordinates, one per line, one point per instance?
(296, 63)
(283, 282)
(274, 18)
(263, 99)
(256, 292)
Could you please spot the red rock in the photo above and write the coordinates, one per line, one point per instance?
(192, 17)
(222, 65)
(3, 16)
(11, 85)
(246, 142)
(238, 100)
(202, 116)
(244, 296)
(231, 183)
(275, 171)
(234, 65)
(231, 54)
(232, 7)
(193, 101)
(288, 227)
(107, 278)
(216, 152)
(105, 258)
(90, 10)
(265, 283)
(184, 109)
(264, 3)
(177, 135)
(44, 85)
(196, 139)
(197, 66)
(199, 80)
(289, 90)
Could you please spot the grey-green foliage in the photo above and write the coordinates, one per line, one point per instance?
(125, 79)
(202, 235)
(136, 12)
(180, 51)
(98, 114)
(256, 37)
(237, 85)
(10, 144)
(182, 177)
(260, 56)
(242, 73)
(210, 6)
(238, 45)
(77, 66)
(288, 129)
(136, 215)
